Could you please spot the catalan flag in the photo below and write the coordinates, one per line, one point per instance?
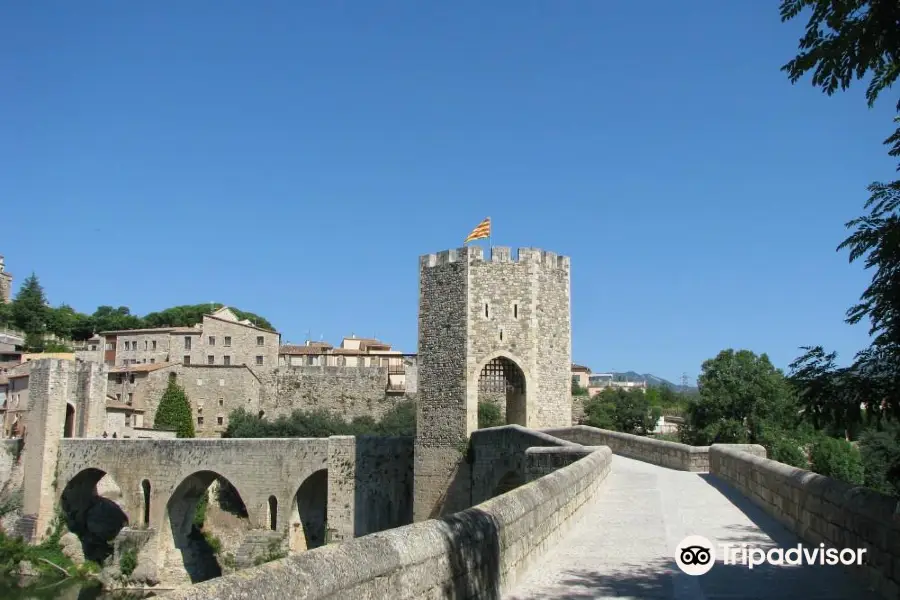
(482, 231)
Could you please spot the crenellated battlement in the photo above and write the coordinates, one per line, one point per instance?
(498, 254)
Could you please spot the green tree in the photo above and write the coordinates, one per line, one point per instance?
(400, 420)
(577, 390)
(845, 41)
(880, 452)
(5, 314)
(188, 315)
(29, 311)
(836, 458)
(107, 318)
(742, 398)
(628, 411)
(174, 411)
(61, 321)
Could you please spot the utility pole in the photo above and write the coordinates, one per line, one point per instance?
(684, 382)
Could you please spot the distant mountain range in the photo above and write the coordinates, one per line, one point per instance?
(651, 380)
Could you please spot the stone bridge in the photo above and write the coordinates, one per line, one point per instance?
(292, 491)
(579, 512)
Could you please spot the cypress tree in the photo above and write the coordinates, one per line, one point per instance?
(174, 411)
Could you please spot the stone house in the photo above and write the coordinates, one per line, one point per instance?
(221, 339)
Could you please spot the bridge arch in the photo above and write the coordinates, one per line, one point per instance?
(91, 511)
(309, 513)
(198, 555)
(502, 374)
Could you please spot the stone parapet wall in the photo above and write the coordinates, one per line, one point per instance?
(658, 452)
(476, 553)
(821, 510)
(498, 451)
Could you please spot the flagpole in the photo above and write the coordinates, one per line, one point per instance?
(490, 238)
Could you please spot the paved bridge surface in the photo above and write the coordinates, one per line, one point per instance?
(624, 545)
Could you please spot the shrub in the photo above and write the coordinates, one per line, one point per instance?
(128, 562)
(214, 543)
(787, 450)
(837, 459)
(880, 453)
(489, 415)
(200, 512)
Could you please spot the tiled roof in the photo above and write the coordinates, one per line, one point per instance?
(580, 368)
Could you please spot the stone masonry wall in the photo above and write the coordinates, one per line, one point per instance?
(12, 475)
(528, 321)
(658, 452)
(444, 420)
(821, 510)
(384, 483)
(476, 553)
(213, 391)
(90, 399)
(49, 383)
(345, 391)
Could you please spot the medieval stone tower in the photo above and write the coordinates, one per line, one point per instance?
(5, 282)
(492, 327)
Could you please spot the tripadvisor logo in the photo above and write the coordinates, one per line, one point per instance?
(696, 555)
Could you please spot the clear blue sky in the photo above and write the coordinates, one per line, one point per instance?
(295, 158)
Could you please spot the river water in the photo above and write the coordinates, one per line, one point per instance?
(59, 590)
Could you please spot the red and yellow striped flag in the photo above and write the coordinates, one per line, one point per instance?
(482, 231)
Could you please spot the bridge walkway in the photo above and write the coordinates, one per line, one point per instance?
(623, 547)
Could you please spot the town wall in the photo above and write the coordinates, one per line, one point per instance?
(477, 553)
(345, 391)
(213, 391)
(820, 509)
